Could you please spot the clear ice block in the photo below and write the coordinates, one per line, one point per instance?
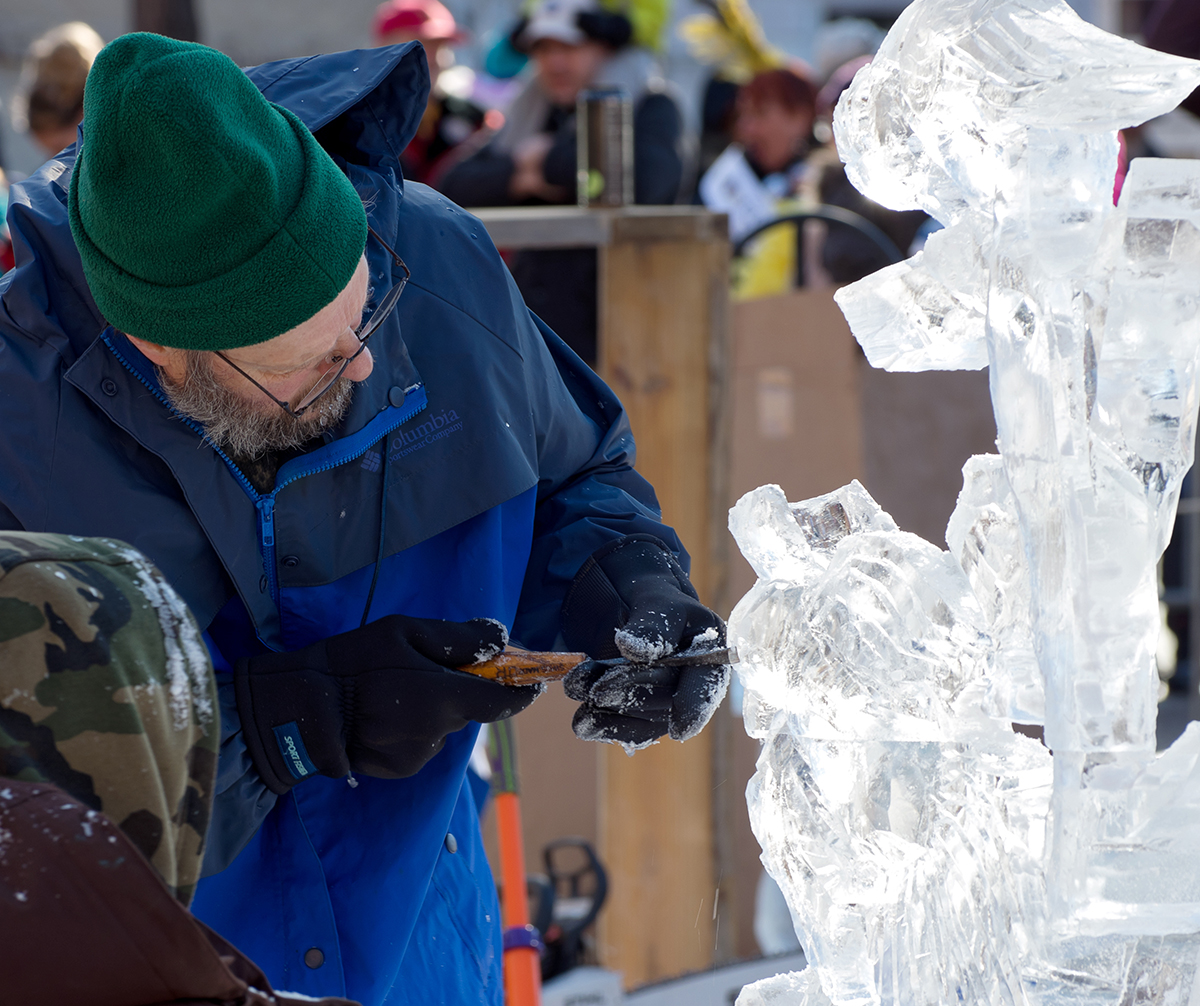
(929, 853)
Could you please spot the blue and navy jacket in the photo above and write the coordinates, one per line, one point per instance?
(478, 467)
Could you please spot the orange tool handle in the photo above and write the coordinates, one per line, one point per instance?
(526, 667)
(522, 965)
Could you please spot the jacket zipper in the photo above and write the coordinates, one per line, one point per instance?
(265, 502)
(266, 534)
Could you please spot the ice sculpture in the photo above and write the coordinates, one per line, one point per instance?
(930, 853)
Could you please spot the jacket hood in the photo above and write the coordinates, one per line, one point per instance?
(364, 106)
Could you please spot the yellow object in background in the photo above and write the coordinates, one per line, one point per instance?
(731, 40)
(648, 17)
(768, 265)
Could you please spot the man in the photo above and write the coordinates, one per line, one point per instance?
(573, 45)
(204, 351)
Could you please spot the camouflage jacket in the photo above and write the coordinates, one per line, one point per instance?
(106, 691)
(108, 755)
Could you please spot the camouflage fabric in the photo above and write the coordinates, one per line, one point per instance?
(106, 691)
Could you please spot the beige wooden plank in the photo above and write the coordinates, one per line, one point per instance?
(518, 227)
(668, 223)
(661, 307)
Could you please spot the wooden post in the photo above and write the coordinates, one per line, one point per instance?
(662, 347)
(662, 329)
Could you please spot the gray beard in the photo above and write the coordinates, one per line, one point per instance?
(245, 427)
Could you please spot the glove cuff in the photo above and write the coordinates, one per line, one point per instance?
(264, 751)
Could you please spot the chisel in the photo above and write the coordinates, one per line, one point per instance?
(527, 667)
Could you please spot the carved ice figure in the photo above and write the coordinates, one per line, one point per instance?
(898, 818)
(928, 852)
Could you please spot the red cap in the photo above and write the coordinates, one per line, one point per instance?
(424, 20)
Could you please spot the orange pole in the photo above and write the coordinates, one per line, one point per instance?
(522, 965)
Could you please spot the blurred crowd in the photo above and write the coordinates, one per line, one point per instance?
(505, 135)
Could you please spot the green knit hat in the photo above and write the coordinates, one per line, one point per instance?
(206, 216)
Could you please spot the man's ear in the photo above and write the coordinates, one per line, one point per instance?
(160, 356)
(172, 362)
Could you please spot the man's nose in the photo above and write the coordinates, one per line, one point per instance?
(346, 347)
(360, 369)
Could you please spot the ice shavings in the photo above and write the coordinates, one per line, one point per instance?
(785, 990)
(929, 853)
(188, 669)
(641, 648)
(487, 652)
(703, 642)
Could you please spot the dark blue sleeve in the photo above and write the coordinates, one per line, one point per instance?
(8, 520)
(588, 492)
(242, 800)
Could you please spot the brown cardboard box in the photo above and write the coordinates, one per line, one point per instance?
(797, 416)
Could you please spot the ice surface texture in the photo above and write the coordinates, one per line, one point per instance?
(928, 852)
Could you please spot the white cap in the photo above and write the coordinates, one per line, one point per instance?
(557, 19)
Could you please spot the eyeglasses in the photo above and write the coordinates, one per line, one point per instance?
(363, 333)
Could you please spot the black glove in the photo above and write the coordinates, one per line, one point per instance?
(379, 700)
(631, 599)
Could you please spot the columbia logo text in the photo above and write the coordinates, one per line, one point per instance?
(434, 428)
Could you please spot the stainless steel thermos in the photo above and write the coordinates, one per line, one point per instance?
(604, 151)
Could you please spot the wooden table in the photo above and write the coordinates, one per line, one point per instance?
(662, 346)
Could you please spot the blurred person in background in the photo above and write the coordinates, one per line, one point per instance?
(49, 98)
(573, 45)
(775, 169)
(761, 174)
(727, 36)
(453, 126)
(773, 124)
